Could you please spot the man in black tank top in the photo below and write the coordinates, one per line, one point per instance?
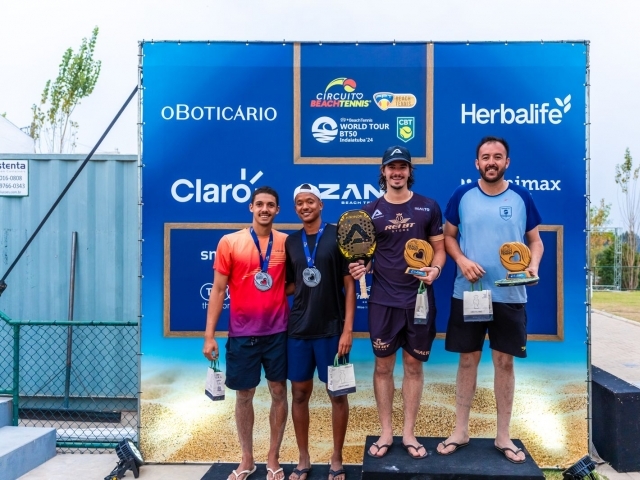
(400, 215)
(320, 323)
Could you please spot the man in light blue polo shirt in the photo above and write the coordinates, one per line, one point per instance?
(480, 217)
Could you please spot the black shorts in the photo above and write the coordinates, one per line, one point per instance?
(246, 355)
(393, 328)
(507, 330)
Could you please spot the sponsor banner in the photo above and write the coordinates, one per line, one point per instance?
(211, 139)
(222, 119)
(353, 101)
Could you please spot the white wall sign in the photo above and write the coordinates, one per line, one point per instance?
(14, 178)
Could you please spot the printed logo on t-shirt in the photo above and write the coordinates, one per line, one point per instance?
(422, 209)
(376, 214)
(399, 223)
(505, 212)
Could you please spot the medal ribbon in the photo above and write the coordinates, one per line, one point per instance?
(264, 262)
(311, 257)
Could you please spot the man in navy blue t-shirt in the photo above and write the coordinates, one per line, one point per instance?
(400, 215)
(480, 217)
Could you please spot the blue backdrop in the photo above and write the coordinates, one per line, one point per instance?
(220, 120)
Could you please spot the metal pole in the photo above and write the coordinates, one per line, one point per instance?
(72, 291)
(587, 123)
(140, 239)
(16, 373)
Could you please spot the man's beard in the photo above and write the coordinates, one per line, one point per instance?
(497, 179)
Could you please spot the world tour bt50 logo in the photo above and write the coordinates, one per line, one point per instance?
(534, 113)
(343, 94)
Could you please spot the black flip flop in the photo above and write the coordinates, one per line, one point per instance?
(515, 452)
(416, 448)
(335, 473)
(378, 448)
(451, 444)
(304, 471)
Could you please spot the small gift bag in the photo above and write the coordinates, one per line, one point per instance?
(422, 306)
(214, 387)
(477, 305)
(342, 378)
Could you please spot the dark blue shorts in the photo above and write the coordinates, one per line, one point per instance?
(305, 355)
(246, 355)
(392, 328)
(507, 331)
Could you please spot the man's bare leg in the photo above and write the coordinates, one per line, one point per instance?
(277, 422)
(504, 387)
(466, 381)
(300, 393)
(244, 424)
(339, 421)
(412, 384)
(383, 389)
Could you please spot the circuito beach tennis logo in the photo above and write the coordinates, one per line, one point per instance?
(340, 92)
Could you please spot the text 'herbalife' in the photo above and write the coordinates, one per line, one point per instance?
(535, 113)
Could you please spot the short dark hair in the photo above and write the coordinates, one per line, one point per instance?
(267, 190)
(382, 181)
(492, 140)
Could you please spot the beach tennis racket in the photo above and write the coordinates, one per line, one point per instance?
(357, 240)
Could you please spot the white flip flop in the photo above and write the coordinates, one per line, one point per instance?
(273, 472)
(246, 473)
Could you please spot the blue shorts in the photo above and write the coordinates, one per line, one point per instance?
(305, 355)
(246, 355)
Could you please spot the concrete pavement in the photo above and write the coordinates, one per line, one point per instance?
(615, 348)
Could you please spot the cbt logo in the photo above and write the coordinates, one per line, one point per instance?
(340, 97)
(184, 190)
(405, 128)
(534, 113)
(324, 129)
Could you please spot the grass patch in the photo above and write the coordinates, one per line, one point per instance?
(622, 304)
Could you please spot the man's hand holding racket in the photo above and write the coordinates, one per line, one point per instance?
(357, 269)
(357, 242)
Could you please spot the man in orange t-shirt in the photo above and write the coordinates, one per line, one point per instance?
(251, 262)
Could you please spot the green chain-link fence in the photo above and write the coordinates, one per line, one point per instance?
(80, 378)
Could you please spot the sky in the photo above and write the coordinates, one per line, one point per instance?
(34, 35)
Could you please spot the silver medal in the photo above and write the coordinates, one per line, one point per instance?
(262, 281)
(311, 277)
